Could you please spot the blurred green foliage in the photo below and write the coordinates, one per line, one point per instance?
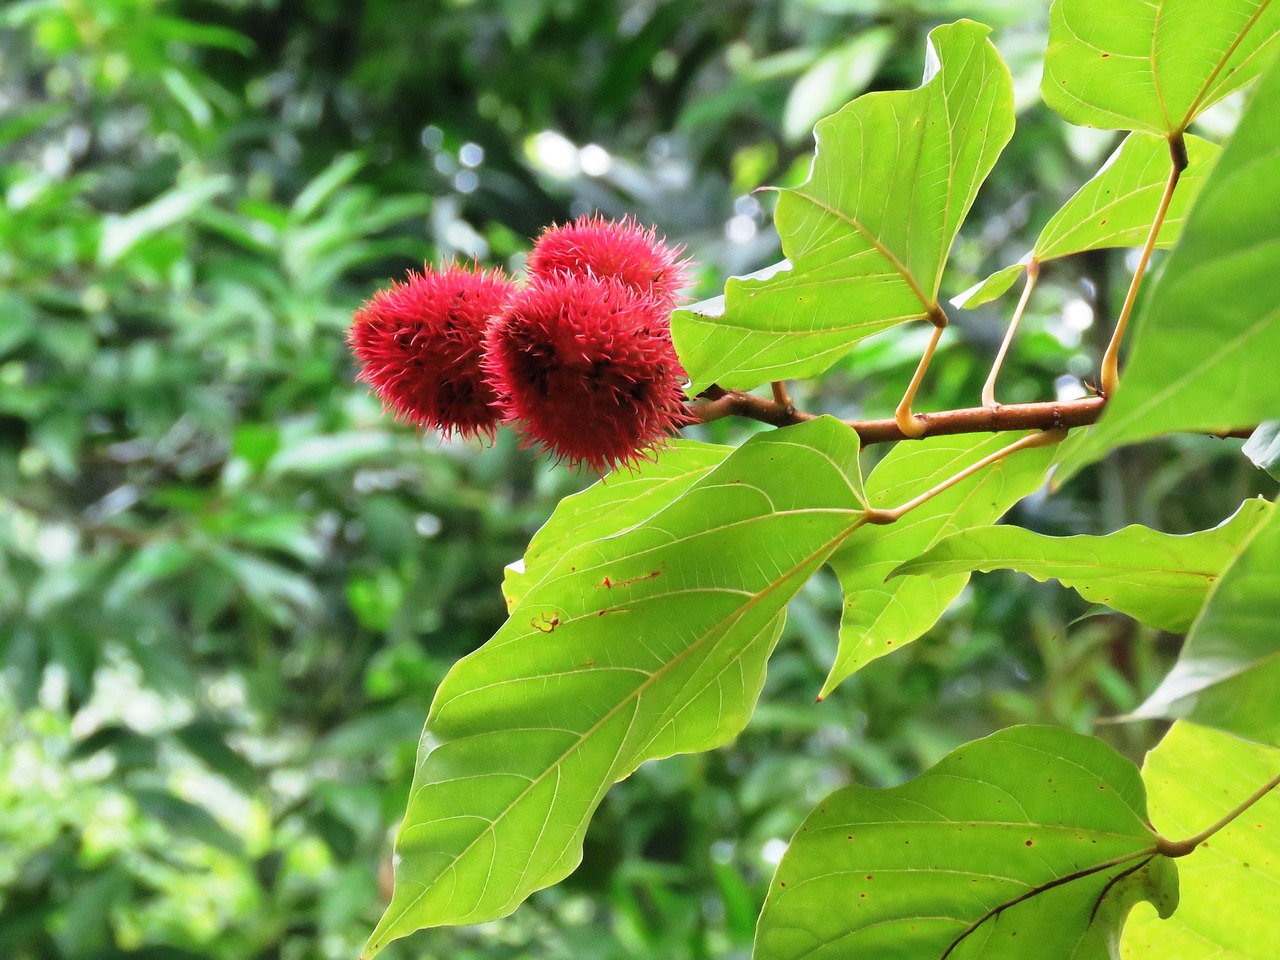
(229, 586)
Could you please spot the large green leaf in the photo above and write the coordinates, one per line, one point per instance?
(1231, 885)
(881, 617)
(1228, 675)
(1205, 348)
(1030, 843)
(1115, 208)
(867, 235)
(639, 644)
(617, 502)
(1158, 578)
(1153, 66)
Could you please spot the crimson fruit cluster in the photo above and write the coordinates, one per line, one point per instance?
(578, 358)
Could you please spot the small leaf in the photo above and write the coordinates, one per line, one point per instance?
(313, 196)
(1263, 447)
(1205, 348)
(1229, 670)
(1153, 66)
(642, 643)
(989, 289)
(1114, 209)
(869, 232)
(120, 234)
(1230, 895)
(1030, 843)
(1158, 578)
(881, 617)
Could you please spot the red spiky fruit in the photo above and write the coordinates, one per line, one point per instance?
(585, 368)
(611, 248)
(419, 344)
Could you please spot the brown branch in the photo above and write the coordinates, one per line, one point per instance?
(1053, 415)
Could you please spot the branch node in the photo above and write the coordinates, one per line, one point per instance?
(880, 518)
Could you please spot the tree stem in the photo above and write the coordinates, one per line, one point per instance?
(781, 397)
(1111, 359)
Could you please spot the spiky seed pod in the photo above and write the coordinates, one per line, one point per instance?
(608, 248)
(419, 344)
(585, 368)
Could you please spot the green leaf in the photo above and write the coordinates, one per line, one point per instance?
(1115, 208)
(616, 503)
(639, 644)
(314, 195)
(989, 289)
(1230, 892)
(1153, 66)
(121, 234)
(1158, 578)
(1204, 351)
(1229, 670)
(1030, 843)
(868, 233)
(1263, 447)
(833, 79)
(881, 617)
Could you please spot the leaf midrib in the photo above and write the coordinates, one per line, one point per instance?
(925, 301)
(1222, 62)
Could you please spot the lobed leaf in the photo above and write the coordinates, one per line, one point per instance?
(881, 616)
(1031, 842)
(1230, 885)
(867, 235)
(1160, 579)
(1153, 65)
(638, 644)
(1228, 673)
(1205, 345)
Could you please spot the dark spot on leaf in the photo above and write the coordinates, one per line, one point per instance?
(1031, 843)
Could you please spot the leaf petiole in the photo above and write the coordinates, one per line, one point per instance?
(989, 388)
(908, 423)
(1111, 359)
(1181, 848)
(1042, 439)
